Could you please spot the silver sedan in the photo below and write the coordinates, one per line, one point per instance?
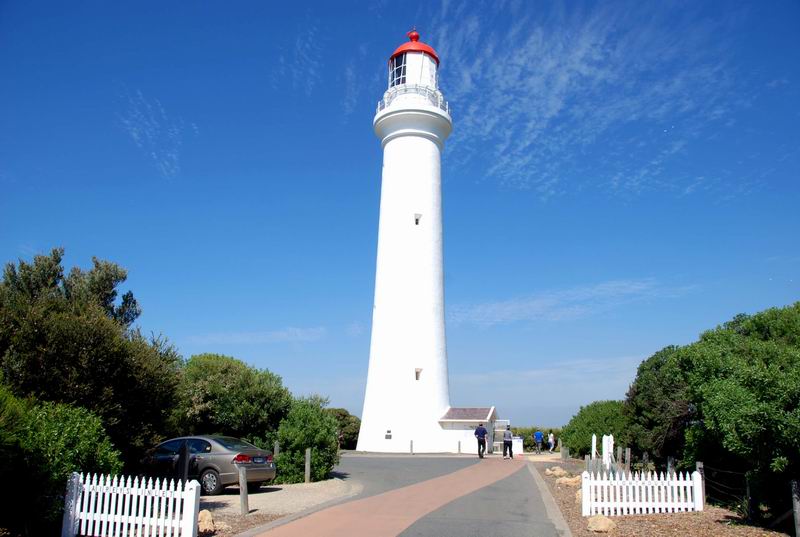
(213, 461)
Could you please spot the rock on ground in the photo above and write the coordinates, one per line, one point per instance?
(556, 471)
(570, 481)
(601, 524)
(205, 522)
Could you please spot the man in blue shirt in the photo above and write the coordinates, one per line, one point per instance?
(538, 436)
(480, 434)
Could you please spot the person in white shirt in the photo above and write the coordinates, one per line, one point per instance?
(508, 437)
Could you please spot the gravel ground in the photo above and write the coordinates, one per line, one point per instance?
(271, 503)
(713, 521)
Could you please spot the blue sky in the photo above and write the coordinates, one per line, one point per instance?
(621, 176)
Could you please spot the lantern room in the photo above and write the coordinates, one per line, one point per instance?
(413, 63)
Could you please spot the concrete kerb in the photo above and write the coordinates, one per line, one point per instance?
(553, 512)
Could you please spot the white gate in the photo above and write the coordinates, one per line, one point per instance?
(105, 506)
(638, 494)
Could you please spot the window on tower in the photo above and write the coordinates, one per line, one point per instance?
(397, 70)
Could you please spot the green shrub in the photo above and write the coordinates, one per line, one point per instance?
(307, 425)
(12, 462)
(348, 427)
(12, 416)
(222, 395)
(59, 439)
(600, 417)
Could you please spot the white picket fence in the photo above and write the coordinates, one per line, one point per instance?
(119, 506)
(641, 494)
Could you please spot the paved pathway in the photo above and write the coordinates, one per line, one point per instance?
(419, 496)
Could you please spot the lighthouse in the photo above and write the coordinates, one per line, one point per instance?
(407, 400)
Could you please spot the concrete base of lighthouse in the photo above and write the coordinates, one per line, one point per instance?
(453, 433)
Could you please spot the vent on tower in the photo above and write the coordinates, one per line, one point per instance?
(388, 434)
(417, 372)
(417, 218)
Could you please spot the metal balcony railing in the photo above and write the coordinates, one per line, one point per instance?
(431, 96)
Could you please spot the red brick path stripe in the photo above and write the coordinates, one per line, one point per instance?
(389, 513)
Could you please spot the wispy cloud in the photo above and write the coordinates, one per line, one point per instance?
(559, 387)
(538, 94)
(285, 335)
(354, 82)
(559, 305)
(153, 131)
(302, 64)
(355, 329)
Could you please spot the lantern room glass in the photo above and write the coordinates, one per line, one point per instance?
(397, 70)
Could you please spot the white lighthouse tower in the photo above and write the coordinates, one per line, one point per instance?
(407, 391)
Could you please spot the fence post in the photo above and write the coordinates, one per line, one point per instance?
(459, 447)
(191, 506)
(698, 486)
(619, 459)
(585, 493)
(276, 450)
(411, 448)
(628, 460)
(69, 523)
(244, 503)
(588, 463)
(308, 465)
(796, 505)
(698, 466)
(564, 453)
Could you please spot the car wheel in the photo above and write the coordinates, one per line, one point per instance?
(253, 487)
(210, 482)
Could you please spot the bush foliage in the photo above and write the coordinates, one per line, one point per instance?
(307, 425)
(348, 427)
(42, 445)
(732, 397)
(222, 395)
(600, 418)
(67, 340)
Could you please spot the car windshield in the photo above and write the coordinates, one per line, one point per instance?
(234, 443)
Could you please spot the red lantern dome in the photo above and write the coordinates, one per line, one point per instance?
(415, 45)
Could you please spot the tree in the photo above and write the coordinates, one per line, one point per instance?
(732, 397)
(307, 425)
(348, 427)
(222, 395)
(658, 406)
(67, 340)
(600, 418)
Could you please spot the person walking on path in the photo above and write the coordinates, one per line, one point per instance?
(508, 450)
(551, 439)
(538, 436)
(480, 434)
